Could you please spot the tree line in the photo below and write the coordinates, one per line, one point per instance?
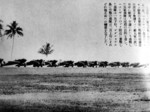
(68, 63)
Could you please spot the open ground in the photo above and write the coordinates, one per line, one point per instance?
(73, 90)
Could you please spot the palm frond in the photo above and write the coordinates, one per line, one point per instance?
(10, 35)
(41, 51)
(20, 33)
(19, 29)
(10, 27)
(7, 32)
(51, 51)
(1, 26)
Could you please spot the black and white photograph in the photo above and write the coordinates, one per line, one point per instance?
(74, 56)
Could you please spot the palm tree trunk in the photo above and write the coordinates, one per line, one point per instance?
(12, 48)
(46, 58)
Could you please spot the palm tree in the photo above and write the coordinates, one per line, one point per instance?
(13, 30)
(46, 49)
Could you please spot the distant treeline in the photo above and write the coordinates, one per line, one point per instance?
(69, 63)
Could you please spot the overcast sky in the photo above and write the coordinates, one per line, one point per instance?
(74, 27)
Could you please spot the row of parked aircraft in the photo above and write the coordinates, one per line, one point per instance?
(70, 63)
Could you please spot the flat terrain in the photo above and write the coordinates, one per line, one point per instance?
(73, 90)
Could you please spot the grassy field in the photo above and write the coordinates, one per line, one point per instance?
(73, 90)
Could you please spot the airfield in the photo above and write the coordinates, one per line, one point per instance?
(74, 89)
